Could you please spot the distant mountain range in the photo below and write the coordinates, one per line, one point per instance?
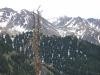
(86, 29)
(13, 23)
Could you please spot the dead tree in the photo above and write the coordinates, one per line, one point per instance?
(36, 43)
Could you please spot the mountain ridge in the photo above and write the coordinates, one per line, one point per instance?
(86, 29)
(13, 22)
(22, 22)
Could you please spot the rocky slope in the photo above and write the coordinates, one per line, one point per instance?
(14, 23)
(87, 29)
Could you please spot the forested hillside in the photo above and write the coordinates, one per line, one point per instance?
(68, 55)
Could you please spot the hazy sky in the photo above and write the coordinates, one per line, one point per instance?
(56, 8)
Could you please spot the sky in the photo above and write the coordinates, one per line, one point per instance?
(56, 8)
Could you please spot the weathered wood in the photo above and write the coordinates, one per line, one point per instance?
(36, 44)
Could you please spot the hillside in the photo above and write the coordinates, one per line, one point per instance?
(63, 55)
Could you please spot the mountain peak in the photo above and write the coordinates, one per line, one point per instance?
(22, 22)
(86, 29)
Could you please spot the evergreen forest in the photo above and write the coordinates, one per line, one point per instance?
(68, 55)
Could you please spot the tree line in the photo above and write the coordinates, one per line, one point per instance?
(68, 55)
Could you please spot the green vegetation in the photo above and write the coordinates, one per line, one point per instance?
(12, 61)
(67, 55)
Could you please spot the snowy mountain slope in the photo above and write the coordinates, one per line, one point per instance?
(14, 23)
(87, 29)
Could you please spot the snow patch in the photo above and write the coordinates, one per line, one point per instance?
(80, 33)
(99, 39)
(68, 52)
(72, 30)
(26, 20)
(92, 25)
(12, 38)
(62, 32)
(1, 13)
(3, 24)
(69, 22)
(19, 28)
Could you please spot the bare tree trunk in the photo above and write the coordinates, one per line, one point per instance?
(36, 44)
